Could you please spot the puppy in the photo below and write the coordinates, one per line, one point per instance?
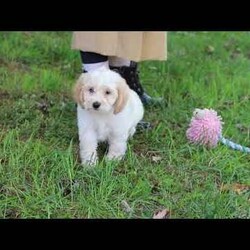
(107, 110)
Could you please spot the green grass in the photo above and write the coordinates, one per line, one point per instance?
(40, 174)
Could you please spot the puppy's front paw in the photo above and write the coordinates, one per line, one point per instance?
(114, 156)
(89, 161)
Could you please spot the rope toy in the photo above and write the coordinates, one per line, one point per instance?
(205, 129)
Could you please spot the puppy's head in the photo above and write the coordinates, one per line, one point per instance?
(101, 91)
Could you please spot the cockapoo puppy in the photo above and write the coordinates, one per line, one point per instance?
(107, 110)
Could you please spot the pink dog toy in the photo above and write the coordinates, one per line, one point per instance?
(205, 129)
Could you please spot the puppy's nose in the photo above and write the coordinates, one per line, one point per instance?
(96, 105)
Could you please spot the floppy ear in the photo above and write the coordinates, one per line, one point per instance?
(123, 93)
(78, 90)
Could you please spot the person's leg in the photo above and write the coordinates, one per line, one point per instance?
(92, 61)
(129, 70)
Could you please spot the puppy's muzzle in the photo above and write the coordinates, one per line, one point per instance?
(96, 105)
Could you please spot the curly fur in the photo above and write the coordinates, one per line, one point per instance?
(114, 120)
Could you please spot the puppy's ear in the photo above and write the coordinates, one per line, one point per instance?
(78, 90)
(123, 93)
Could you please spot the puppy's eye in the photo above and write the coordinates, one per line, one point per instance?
(107, 92)
(91, 90)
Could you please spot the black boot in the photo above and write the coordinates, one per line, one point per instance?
(131, 75)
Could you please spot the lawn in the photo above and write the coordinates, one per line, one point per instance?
(40, 172)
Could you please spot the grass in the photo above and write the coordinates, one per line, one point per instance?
(40, 174)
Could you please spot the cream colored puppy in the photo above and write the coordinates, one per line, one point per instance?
(107, 110)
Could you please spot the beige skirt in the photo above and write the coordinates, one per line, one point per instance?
(135, 46)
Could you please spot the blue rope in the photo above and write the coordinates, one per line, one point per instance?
(234, 145)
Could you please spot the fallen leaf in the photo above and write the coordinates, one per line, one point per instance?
(126, 207)
(162, 214)
(156, 158)
(209, 49)
(239, 188)
(236, 187)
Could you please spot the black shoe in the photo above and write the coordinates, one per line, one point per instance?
(142, 125)
(148, 100)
